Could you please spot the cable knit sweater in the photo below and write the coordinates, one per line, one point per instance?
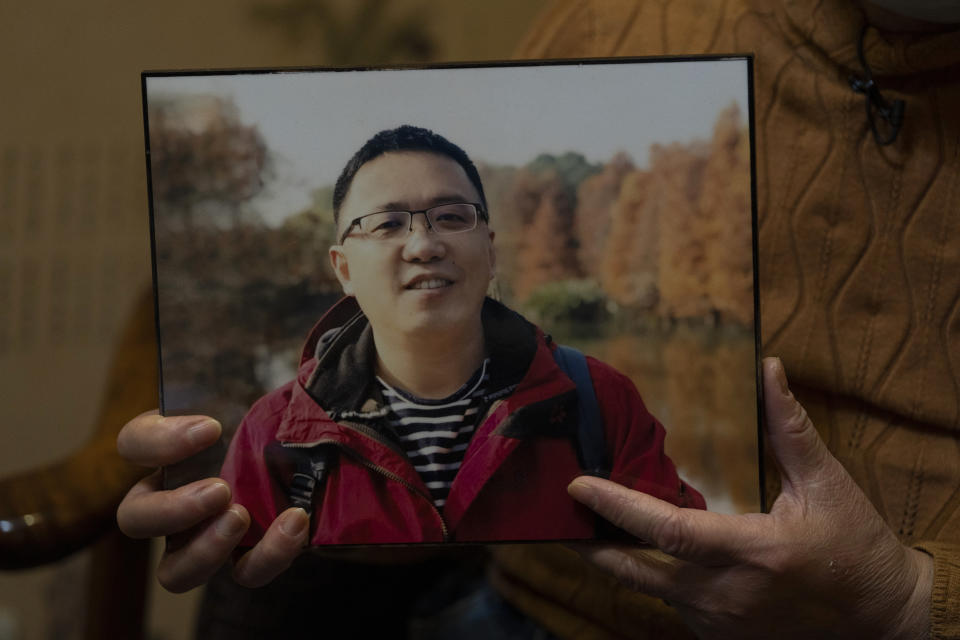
(859, 267)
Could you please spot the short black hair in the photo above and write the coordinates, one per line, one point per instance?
(403, 138)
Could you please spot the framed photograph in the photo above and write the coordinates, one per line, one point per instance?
(421, 301)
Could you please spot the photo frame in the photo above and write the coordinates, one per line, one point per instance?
(617, 198)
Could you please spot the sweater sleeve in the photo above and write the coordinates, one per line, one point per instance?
(945, 596)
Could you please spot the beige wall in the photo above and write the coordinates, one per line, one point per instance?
(74, 244)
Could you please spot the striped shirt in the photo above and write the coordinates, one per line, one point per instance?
(435, 433)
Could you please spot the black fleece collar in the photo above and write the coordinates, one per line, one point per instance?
(343, 381)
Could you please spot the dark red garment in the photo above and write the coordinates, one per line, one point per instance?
(512, 482)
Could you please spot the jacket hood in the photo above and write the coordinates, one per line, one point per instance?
(342, 343)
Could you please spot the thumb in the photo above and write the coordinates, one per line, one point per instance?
(800, 452)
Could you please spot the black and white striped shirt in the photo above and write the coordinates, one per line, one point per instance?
(435, 433)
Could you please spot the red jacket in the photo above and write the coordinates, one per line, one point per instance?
(512, 482)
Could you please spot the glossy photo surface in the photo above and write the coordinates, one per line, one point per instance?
(605, 206)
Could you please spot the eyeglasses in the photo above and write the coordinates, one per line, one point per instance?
(443, 219)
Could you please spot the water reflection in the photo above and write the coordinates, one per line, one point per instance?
(700, 383)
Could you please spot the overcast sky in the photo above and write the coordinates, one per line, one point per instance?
(314, 121)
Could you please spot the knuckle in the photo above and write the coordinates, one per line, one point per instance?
(124, 525)
(631, 578)
(621, 508)
(246, 574)
(780, 562)
(271, 556)
(131, 516)
(669, 534)
(133, 433)
(192, 564)
(170, 579)
(125, 443)
(723, 610)
(617, 513)
(200, 499)
(278, 551)
(797, 421)
(253, 573)
(125, 522)
(252, 578)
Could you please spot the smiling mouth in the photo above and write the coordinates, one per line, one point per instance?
(434, 283)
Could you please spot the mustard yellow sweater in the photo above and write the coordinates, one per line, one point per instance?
(859, 267)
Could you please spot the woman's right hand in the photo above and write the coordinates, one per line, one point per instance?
(202, 524)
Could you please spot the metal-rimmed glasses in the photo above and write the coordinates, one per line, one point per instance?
(455, 217)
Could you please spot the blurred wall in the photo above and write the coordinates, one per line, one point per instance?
(74, 238)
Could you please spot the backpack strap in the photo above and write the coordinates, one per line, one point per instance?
(590, 434)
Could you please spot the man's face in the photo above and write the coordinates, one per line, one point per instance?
(423, 282)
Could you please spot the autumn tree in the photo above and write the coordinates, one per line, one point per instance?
(204, 162)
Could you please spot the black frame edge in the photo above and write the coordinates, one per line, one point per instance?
(153, 238)
(451, 65)
(757, 332)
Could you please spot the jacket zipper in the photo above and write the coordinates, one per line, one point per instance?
(379, 470)
(376, 436)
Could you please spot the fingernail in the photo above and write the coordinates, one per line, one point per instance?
(214, 495)
(230, 524)
(204, 433)
(781, 374)
(294, 522)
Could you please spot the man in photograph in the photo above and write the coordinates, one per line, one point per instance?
(423, 410)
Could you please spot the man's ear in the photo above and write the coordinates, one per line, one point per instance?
(338, 260)
(493, 257)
